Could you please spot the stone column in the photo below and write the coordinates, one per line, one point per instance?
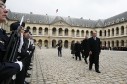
(42, 32)
(50, 32)
(37, 32)
(89, 34)
(57, 32)
(31, 30)
(119, 31)
(75, 34)
(80, 34)
(114, 32)
(125, 30)
(63, 33)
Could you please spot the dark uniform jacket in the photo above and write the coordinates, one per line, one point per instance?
(24, 49)
(6, 69)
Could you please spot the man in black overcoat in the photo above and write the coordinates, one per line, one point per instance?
(95, 49)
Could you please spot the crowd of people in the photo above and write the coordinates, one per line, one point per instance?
(89, 47)
(16, 51)
(114, 48)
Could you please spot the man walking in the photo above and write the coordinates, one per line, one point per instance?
(95, 49)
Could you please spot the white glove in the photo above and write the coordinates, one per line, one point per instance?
(13, 77)
(20, 64)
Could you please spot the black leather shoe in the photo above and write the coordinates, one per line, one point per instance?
(98, 71)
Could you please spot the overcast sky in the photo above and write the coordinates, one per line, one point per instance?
(88, 9)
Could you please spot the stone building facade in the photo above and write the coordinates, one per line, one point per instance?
(48, 30)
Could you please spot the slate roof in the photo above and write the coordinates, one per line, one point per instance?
(78, 22)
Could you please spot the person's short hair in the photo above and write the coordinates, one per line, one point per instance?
(4, 1)
(26, 31)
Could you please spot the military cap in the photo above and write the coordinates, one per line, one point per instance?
(15, 25)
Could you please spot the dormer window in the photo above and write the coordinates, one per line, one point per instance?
(112, 22)
(40, 21)
(122, 19)
(117, 21)
(28, 20)
(108, 23)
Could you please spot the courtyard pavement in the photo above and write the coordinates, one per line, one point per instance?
(48, 68)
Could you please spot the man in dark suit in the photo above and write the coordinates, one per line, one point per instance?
(95, 49)
(85, 48)
(77, 50)
(7, 69)
(59, 48)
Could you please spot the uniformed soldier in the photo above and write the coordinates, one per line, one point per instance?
(7, 69)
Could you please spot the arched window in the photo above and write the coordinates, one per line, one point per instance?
(108, 32)
(46, 31)
(122, 43)
(40, 31)
(53, 43)
(34, 30)
(112, 31)
(54, 31)
(122, 30)
(46, 43)
(77, 33)
(100, 33)
(66, 32)
(60, 32)
(28, 27)
(39, 42)
(66, 43)
(117, 31)
(105, 33)
(82, 33)
(87, 33)
(91, 33)
(72, 32)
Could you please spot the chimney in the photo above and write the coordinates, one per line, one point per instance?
(31, 12)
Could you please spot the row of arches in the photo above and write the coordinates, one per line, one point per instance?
(53, 43)
(116, 43)
(66, 43)
(114, 31)
(60, 32)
